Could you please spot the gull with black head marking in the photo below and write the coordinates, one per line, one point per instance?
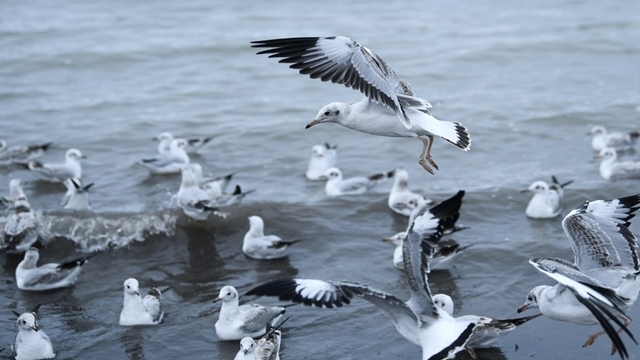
(419, 320)
(31, 277)
(31, 342)
(323, 157)
(603, 281)
(239, 321)
(389, 107)
(337, 186)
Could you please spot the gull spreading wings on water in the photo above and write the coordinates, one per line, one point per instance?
(389, 107)
(602, 282)
(419, 319)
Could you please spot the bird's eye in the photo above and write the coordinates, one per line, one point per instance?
(327, 113)
(24, 322)
(337, 112)
(128, 287)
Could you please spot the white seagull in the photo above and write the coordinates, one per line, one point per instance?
(216, 185)
(619, 141)
(610, 169)
(21, 229)
(71, 168)
(21, 154)
(432, 225)
(257, 245)
(389, 107)
(546, 202)
(77, 196)
(191, 198)
(138, 310)
(171, 162)
(602, 282)
(267, 348)
(400, 197)
(487, 330)
(239, 321)
(192, 144)
(337, 186)
(418, 320)
(31, 342)
(323, 157)
(30, 276)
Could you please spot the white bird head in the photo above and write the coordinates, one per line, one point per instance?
(256, 222)
(444, 302)
(532, 297)
(606, 154)
(131, 287)
(165, 136)
(227, 293)
(247, 345)
(396, 239)
(318, 150)
(333, 173)
(597, 130)
(27, 321)
(74, 154)
(31, 256)
(537, 187)
(329, 113)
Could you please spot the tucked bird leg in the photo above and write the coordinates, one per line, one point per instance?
(592, 338)
(425, 156)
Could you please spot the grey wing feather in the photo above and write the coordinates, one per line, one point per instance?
(600, 241)
(261, 317)
(416, 266)
(341, 60)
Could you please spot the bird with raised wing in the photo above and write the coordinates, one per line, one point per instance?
(602, 282)
(59, 172)
(389, 107)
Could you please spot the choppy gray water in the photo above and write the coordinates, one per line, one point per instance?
(528, 80)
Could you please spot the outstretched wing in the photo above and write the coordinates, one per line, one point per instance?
(342, 60)
(599, 233)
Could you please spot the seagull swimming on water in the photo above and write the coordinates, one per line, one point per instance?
(323, 157)
(138, 310)
(547, 199)
(21, 229)
(400, 197)
(238, 321)
(619, 141)
(267, 348)
(337, 186)
(257, 245)
(610, 169)
(171, 162)
(77, 196)
(71, 168)
(487, 330)
(419, 320)
(31, 342)
(603, 281)
(21, 154)
(389, 107)
(191, 147)
(30, 276)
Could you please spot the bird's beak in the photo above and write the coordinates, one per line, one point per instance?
(597, 156)
(524, 191)
(523, 307)
(312, 123)
(387, 239)
(137, 293)
(35, 327)
(216, 299)
(246, 351)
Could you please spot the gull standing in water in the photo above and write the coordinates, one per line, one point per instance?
(337, 186)
(59, 172)
(619, 141)
(323, 157)
(21, 229)
(30, 276)
(21, 154)
(610, 169)
(239, 321)
(603, 280)
(400, 197)
(169, 163)
(257, 245)
(487, 330)
(77, 196)
(419, 320)
(31, 342)
(546, 202)
(138, 310)
(389, 107)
